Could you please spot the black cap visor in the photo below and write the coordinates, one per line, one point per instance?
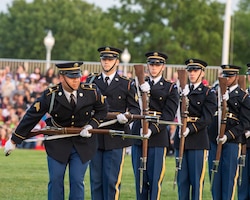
(229, 74)
(109, 56)
(193, 68)
(154, 61)
(72, 74)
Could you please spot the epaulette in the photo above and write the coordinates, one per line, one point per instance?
(88, 86)
(245, 94)
(169, 81)
(173, 85)
(93, 74)
(124, 77)
(208, 89)
(52, 89)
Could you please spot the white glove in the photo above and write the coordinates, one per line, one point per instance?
(122, 119)
(222, 140)
(186, 90)
(145, 87)
(225, 96)
(85, 131)
(9, 147)
(247, 134)
(147, 136)
(185, 133)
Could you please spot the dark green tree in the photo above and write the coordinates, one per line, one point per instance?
(79, 29)
(182, 29)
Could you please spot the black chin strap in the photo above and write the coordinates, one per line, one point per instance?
(68, 84)
(198, 77)
(110, 68)
(233, 83)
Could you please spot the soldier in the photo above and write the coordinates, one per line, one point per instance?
(65, 111)
(121, 96)
(201, 109)
(244, 187)
(238, 112)
(163, 100)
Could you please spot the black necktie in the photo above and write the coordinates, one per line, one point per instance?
(192, 88)
(72, 101)
(106, 80)
(152, 83)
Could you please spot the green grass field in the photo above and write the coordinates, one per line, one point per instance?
(24, 176)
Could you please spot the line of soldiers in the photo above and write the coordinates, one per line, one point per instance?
(75, 104)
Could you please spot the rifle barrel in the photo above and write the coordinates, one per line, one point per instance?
(69, 130)
(139, 72)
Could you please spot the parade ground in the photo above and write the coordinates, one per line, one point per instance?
(24, 176)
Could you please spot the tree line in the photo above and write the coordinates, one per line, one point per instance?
(181, 29)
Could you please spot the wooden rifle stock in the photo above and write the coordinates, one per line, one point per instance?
(242, 82)
(182, 76)
(139, 72)
(64, 130)
(223, 88)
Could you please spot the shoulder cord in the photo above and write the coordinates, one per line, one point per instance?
(52, 102)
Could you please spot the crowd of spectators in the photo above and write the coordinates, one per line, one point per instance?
(18, 90)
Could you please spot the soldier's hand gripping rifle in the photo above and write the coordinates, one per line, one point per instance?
(242, 158)
(182, 76)
(139, 72)
(223, 121)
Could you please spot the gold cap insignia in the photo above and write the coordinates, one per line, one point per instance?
(76, 65)
(107, 49)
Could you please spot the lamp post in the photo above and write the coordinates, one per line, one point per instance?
(125, 57)
(49, 42)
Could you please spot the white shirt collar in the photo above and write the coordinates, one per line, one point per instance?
(196, 85)
(232, 88)
(67, 94)
(156, 80)
(111, 76)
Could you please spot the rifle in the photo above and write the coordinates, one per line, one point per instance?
(223, 88)
(72, 130)
(151, 117)
(139, 72)
(182, 76)
(242, 158)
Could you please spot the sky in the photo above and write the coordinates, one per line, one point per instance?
(101, 3)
